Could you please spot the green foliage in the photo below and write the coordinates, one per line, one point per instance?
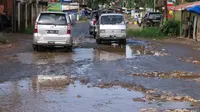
(146, 33)
(29, 30)
(171, 28)
(3, 40)
(145, 3)
(94, 3)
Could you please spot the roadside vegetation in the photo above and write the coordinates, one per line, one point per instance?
(3, 40)
(170, 28)
(145, 33)
(28, 30)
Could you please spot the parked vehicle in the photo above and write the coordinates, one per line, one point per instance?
(111, 26)
(152, 19)
(52, 29)
(128, 11)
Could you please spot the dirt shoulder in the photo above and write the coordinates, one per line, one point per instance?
(183, 48)
(14, 42)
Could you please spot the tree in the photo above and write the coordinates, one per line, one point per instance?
(95, 3)
(145, 3)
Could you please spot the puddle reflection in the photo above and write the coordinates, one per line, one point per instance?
(55, 94)
(103, 53)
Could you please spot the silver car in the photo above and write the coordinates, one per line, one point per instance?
(52, 29)
(111, 26)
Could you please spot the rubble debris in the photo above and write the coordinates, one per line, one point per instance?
(174, 74)
(151, 94)
(168, 110)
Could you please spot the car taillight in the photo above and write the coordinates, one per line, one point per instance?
(36, 28)
(68, 29)
(94, 21)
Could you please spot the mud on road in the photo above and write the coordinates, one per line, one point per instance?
(139, 76)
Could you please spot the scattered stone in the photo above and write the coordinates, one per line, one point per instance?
(9, 46)
(122, 70)
(78, 96)
(174, 74)
(101, 86)
(149, 110)
(139, 100)
(84, 80)
(167, 110)
(195, 62)
(150, 94)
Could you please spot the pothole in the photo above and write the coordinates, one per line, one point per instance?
(53, 93)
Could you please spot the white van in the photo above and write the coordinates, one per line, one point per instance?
(111, 26)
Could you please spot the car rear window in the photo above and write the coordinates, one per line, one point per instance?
(52, 18)
(112, 19)
(152, 15)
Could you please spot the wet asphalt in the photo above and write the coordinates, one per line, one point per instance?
(24, 74)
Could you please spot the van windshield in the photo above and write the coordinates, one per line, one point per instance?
(112, 19)
(52, 18)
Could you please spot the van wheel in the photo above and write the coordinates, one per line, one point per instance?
(91, 33)
(122, 41)
(98, 41)
(94, 35)
(35, 48)
(68, 49)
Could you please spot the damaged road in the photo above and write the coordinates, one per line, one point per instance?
(139, 76)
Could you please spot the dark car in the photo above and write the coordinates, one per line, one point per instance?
(152, 19)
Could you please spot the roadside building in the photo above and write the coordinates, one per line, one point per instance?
(189, 25)
(25, 12)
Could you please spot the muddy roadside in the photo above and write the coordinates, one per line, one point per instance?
(184, 49)
(15, 42)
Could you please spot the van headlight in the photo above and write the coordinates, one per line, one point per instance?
(123, 31)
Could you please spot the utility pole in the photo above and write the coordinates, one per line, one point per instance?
(37, 10)
(26, 16)
(166, 9)
(154, 4)
(13, 16)
(19, 15)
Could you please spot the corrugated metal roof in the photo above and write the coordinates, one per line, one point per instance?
(184, 6)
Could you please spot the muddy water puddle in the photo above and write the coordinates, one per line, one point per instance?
(102, 53)
(59, 94)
